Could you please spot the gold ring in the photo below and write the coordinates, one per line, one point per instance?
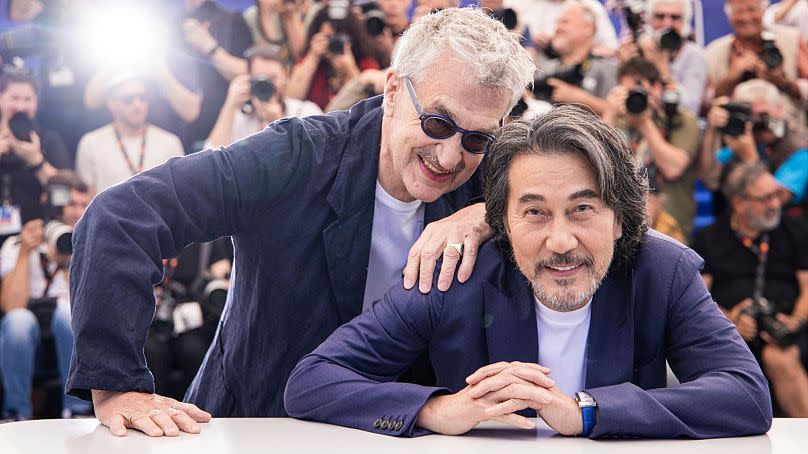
(456, 246)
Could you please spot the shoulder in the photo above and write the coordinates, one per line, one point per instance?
(719, 44)
(102, 134)
(662, 255)
(162, 136)
(692, 50)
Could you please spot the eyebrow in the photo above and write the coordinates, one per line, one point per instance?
(440, 108)
(581, 194)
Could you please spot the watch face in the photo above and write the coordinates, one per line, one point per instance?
(585, 400)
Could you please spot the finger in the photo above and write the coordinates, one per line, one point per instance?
(536, 394)
(164, 422)
(486, 371)
(184, 422)
(451, 256)
(553, 82)
(492, 384)
(533, 376)
(766, 338)
(516, 420)
(117, 425)
(413, 263)
(471, 245)
(509, 406)
(145, 424)
(538, 367)
(191, 410)
(429, 258)
(508, 376)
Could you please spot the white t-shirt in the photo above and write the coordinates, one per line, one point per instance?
(36, 276)
(100, 162)
(246, 125)
(396, 226)
(562, 345)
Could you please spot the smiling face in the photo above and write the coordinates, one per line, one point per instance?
(561, 232)
(413, 165)
(746, 18)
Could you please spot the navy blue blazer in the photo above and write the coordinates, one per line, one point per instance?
(298, 201)
(659, 311)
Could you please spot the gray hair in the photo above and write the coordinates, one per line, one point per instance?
(568, 129)
(728, 9)
(741, 176)
(687, 11)
(491, 53)
(756, 89)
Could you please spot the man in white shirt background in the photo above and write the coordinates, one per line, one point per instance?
(129, 144)
(256, 99)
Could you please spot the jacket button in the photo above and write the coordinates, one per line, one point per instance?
(384, 425)
(377, 423)
(399, 425)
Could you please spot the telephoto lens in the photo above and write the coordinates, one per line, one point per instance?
(637, 100)
(770, 55)
(262, 88)
(375, 22)
(60, 237)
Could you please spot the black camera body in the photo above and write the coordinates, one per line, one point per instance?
(262, 88)
(739, 116)
(21, 126)
(507, 16)
(375, 20)
(632, 13)
(573, 76)
(770, 55)
(336, 44)
(668, 39)
(637, 100)
(765, 315)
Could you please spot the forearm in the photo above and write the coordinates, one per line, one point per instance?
(709, 167)
(782, 10)
(45, 173)
(229, 66)
(725, 87)
(295, 34)
(184, 102)
(599, 105)
(300, 80)
(222, 132)
(16, 290)
(671, 161)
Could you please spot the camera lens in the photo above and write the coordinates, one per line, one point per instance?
(262, 88)
(21, 126)
(374, 22)
(336, 44)
(637, 101)
(59, 236)
(668, 39)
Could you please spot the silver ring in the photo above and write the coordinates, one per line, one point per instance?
(456, 246)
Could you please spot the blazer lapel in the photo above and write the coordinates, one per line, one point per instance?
(347, 239)
(610, 346)
(509, 322)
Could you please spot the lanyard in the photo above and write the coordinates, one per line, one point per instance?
(132, 168)
(43, 261)
(762, 253)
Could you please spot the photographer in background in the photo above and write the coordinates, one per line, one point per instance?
(190, 300)
(35, 295)
(681, 62)
(662, 135)
(754, 127)
(337, 52)
(256, 99)
(793, 13)
(29, 154)
(278, 23)
(753, 52)
(587, 79)
(756, 267)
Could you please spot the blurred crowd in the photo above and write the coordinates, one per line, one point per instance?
(93, 92)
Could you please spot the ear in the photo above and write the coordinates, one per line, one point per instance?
(391, 86)
(618, 229)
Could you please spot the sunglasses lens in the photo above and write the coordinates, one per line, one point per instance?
(438, 128)
(476, 143)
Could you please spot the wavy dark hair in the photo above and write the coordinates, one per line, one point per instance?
(568, 129)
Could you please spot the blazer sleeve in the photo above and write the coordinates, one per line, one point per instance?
(127, 230)
(723, 392)
(349, 379)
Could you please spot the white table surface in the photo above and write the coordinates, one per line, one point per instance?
(284, 435)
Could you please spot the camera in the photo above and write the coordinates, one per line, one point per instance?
(211, 294)
(668, 39)
(739, 116)
(770, 55)
(262, 88)
(338, 11)
(765, 314)
(507, 16)
(375, 21)
(336, 44)
(637, 100)
(670, 102)
(765, 123)
(21, 126)
(59, 236)
(632, 12)
(573, 76)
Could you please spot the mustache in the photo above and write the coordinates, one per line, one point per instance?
(565, 259)
(428, 155)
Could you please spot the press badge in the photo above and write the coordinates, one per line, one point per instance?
(589, 84)
(10, 220)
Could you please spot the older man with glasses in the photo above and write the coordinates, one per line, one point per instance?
(326, 213)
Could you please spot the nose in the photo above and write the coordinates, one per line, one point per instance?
(450, 152)
(561, 239)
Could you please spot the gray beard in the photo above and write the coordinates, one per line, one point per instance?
(566, 299)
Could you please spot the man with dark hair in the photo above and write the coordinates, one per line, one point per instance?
(257, 98)
(662, 135)
(575, 297)
(29, 155)
(34, 276)
(754, 255)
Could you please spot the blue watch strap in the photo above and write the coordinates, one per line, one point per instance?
(588, 417)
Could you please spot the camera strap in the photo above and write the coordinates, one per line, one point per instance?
(132, 168)
(761, 251)
(49, 276)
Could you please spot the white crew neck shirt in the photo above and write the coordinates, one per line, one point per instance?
(396, 226)
(562, 345)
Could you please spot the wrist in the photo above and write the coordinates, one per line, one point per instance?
(212, 49)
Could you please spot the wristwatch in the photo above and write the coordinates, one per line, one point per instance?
(588, 406)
